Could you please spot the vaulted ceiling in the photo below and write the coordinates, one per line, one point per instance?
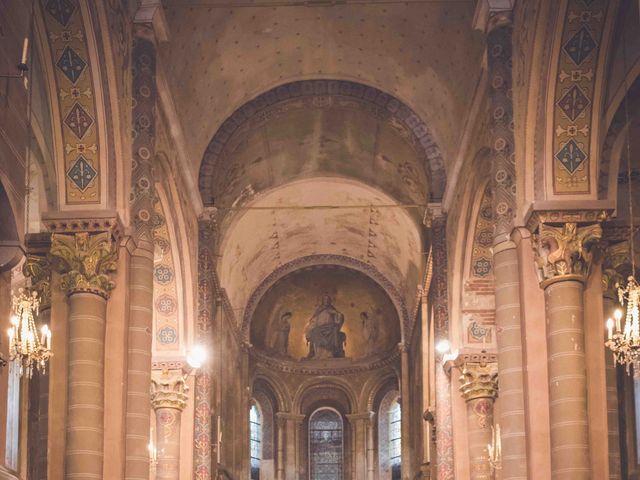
(222, 54)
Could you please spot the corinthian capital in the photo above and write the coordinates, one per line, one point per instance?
(615, 268)
(479, 380)
(168, 389)
(85, 261)
(566, 251)
(38, 269)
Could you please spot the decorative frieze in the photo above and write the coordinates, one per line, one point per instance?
(169, 389)
(85, 261)
(565, 251)
(479, 380)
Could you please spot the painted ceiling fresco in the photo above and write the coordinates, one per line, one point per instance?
(366, 322)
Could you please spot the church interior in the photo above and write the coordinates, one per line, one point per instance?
(319, 239)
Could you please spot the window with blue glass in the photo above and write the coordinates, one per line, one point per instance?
(326, 455)
(395, 435)
(255, 442)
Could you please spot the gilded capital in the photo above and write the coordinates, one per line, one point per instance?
(85, 261)
(38, 269)
(169, 389)
(564, 252)
(616, 257)
(479, 380)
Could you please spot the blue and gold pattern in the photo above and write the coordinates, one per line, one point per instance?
(572, 120)
(72, 69)
(481, 256)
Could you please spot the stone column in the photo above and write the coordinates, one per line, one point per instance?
(168, 399)
(38, 268)
(371, 446)
(564, 259)
(406, 455)
(85, 261)
(359, 423)
(280, 425)
(479, 379)
(440, 302)
(141, 264)
(205, 467)
(616, 257)
(505, 260)
(292, 423)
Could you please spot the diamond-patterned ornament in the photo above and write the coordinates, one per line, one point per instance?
(580, 46)
(573, 103)
(71, 64)
(61, 10)
(78, 120)
(82, 173)
(571, 156)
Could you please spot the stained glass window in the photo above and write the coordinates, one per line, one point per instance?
(255, 443)
(325, 445)
(395, 435)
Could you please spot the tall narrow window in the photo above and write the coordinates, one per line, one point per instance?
(395, 435)
(255, 431)
(326, 445)
(13, 416)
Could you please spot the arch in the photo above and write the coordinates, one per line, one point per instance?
(341, 395)
(421, 137)
(272, 387)
(612, 143)
(377, 388)
(327, 259)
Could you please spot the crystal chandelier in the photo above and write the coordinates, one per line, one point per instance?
(25, 345)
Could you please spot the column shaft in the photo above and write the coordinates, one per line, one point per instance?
(168, 443)
(43, 411)
(406, 454)
(371, 447)
(567, 380)
(85, 393)
(510, 365)
(139, 365)
(280, 450)
(479, 422)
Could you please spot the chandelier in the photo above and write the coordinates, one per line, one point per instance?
(25, 345)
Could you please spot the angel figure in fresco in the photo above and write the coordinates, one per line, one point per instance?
(322, 331)
(369, 331)
(281, 344)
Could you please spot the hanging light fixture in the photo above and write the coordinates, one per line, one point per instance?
(26, 345)
(624, 341)
(32, 349)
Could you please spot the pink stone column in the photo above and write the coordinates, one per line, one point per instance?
(85, 262)
(168, 399)
(564, 262)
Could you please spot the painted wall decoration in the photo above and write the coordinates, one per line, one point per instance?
(165, 292)
(481, 255)
(77, 99)
(325, 312)
(573, 158)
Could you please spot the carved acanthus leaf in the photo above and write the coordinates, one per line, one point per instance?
(566, 250)
(85, 261)
(479, 380)
(169, 390)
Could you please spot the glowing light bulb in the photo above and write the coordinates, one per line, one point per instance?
(197, 356)
(443, 346)
(609, 328)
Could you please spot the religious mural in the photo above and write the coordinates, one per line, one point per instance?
(325, 312)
